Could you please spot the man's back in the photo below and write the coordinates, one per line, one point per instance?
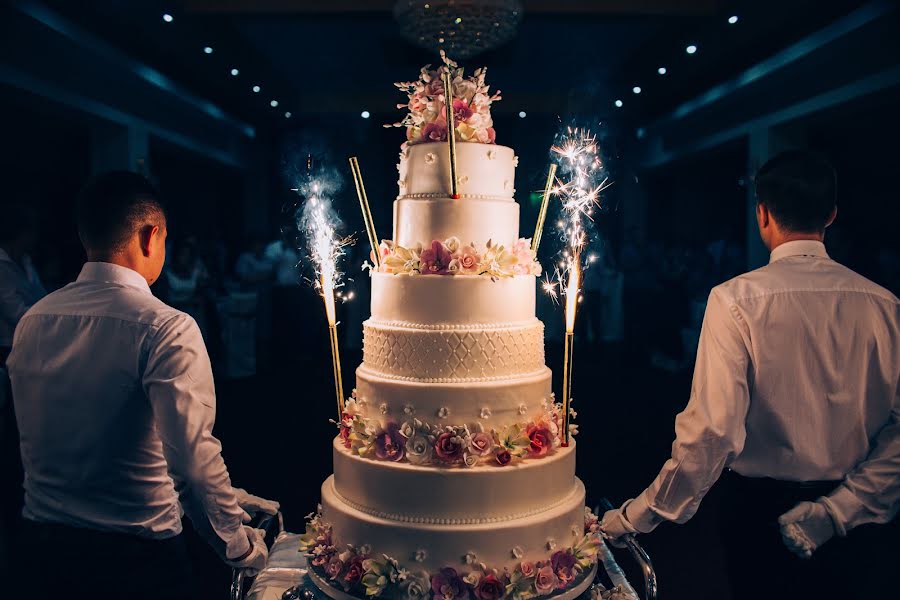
(824, 364)
(90, 447)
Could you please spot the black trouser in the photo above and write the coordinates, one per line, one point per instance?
(864, 564)
(69, 562)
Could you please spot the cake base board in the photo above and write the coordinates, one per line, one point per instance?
(569, 594)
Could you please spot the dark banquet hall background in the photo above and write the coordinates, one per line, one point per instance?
(221, 102)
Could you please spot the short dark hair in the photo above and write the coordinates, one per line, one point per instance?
(112, 206)
(799, 189)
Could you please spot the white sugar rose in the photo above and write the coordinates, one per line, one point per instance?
(452, 244)
(417, 586)
(419, 450)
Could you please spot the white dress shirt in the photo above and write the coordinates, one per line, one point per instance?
(797, 378)
(20, 288)
(115, 402)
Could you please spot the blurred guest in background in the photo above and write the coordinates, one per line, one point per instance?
(115, 403)
(253, 267)
(20, 288)
(795, 393)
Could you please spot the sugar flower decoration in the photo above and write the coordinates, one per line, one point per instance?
(426, 119)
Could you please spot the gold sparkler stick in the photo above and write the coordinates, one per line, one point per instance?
(571, 306)
(451, 133)
(366, 211)
(328, 297)
(542, 216)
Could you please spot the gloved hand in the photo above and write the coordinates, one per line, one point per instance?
(254, 504)
(255, 560)
(806, 527)
(615, 525)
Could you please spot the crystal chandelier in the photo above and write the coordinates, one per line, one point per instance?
(462, 28)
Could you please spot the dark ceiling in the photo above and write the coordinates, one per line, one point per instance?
(341, 56)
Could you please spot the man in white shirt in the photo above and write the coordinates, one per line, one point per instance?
(795, 393)
(115, 403)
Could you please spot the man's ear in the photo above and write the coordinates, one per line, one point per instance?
(146, 237)
(762, 214)
(832, 217)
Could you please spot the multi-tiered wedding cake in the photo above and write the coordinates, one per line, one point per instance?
(451, 475)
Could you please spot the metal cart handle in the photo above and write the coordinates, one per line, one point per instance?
(260, 521)
(640, 556)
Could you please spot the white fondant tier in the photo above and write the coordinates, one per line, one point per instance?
(509, 401)
(405, 492)
(493, 543)
(483, 170)
(471, 220)
(447, 353)
(457, 300)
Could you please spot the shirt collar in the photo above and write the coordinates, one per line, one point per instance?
(799, 248)
(110, 273)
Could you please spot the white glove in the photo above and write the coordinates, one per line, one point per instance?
(806, 527)
(615, 525)
(255, 560)
(254, 504)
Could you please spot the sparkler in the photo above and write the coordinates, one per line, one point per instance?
(579, 193)
(366, 211)
(325, 247)
(451, 132)
(542, 215)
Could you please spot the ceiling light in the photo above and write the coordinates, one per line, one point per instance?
(287, 115)
(618, 104)
(661, 70)
(168, 18)
(636, 89)
(256, 88)
(733, 19)
(235, 72)
(365, 114)
(273, 103)
(691, 49)
(208, 50)
(522, 114)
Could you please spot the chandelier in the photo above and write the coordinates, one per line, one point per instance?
(462, 28)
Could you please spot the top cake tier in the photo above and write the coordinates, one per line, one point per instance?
(484, 171)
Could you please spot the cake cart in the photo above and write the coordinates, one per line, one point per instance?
(285, 576)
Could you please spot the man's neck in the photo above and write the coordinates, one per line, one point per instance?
(796, 237)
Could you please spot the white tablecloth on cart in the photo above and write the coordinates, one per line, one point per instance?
(287, 568)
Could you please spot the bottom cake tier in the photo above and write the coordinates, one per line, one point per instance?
(543, 554)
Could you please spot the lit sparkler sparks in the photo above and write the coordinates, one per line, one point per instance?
(579, 186)
(319, 221)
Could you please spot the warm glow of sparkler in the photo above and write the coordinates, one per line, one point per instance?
(572, 294)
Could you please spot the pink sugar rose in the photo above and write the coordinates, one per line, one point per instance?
(527, 568)
(503, 456)
(563, 564)
(468, 259)
(354, 571)
(486, 136)
(481, 443)
(435, 260)
(524, 257)
(461, 111)
(545, 580)
(448, 585)
(489, 588)
(434, 132)
(334, 567)
(448, 447)
(390, 443)
(541, 439)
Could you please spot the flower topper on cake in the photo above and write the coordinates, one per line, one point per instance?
(427, 121)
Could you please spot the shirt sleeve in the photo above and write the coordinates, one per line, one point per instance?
(871, 492)
(711, 430)
(178, 381)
